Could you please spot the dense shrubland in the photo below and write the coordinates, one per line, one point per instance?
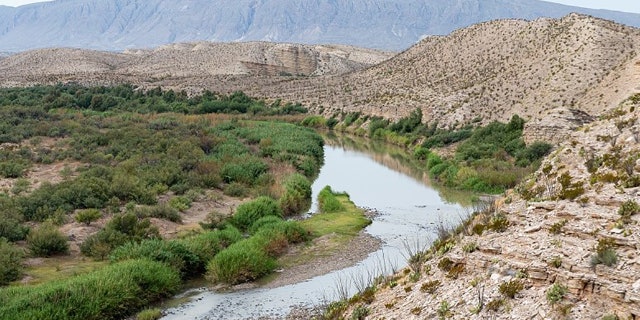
(488, 158)
(130, 148)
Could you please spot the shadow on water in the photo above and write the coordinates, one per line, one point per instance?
(375, 176)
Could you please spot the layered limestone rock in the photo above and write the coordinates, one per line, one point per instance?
(556, 125)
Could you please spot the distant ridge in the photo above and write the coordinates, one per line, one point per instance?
(577, 65)
(115, 25)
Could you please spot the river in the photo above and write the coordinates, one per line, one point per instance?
(374, 177)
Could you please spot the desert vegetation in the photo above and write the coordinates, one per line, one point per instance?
(139, 158)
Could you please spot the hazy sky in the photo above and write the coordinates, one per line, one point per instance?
(620, 5)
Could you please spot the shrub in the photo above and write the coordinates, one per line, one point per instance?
(11, 227)
(470, 247)
(262, 222)
(494, 305)
(628, 209)
(360, 313)
(173, 253)
(10, 262)
(556, 293)
(119, 230)
(297, 195)
(498, 223)
(180, 203)
(556, 262)
(430, 286)
(511, 288)
(445, 264)
(556, 228)
(605, 253)
(88, 215)
(47, 240)
(249, 212)
(244, 171)
(292, 230)
(207, 244)
(242, 262)
(110, 293)
(327, 201)
(12, 169)
(235, 189)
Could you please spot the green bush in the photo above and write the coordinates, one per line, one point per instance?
(556, 293)
(262, 222)
(113, 292)
(292, 230)
(121, 229)
(327, 201)
(47, 240)
(297, 195)
(245, 170)
(12, 169)
(207, 244)
(242, 262)
(498, 223)
(511, 288)
(88, 215)
(605, 253)
(628, 209)
(173, 253)
(11, 227)
(249, 212)
(10, 262)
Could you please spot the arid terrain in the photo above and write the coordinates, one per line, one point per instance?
(485, 72)
(576, 81)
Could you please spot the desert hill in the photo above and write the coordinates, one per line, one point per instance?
(184, 62)
(491, 71)
(580, 64)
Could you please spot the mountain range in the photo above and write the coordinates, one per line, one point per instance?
(115, 25)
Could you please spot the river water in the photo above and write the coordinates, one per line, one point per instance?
(377, 178)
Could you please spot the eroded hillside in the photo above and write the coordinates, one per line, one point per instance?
(491, 71)
(186, 65)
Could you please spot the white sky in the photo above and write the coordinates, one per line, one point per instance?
(619, 5)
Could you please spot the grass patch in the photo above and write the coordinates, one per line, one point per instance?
(61, 267)
(347, 222)
(113, 292)
(336, 229)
